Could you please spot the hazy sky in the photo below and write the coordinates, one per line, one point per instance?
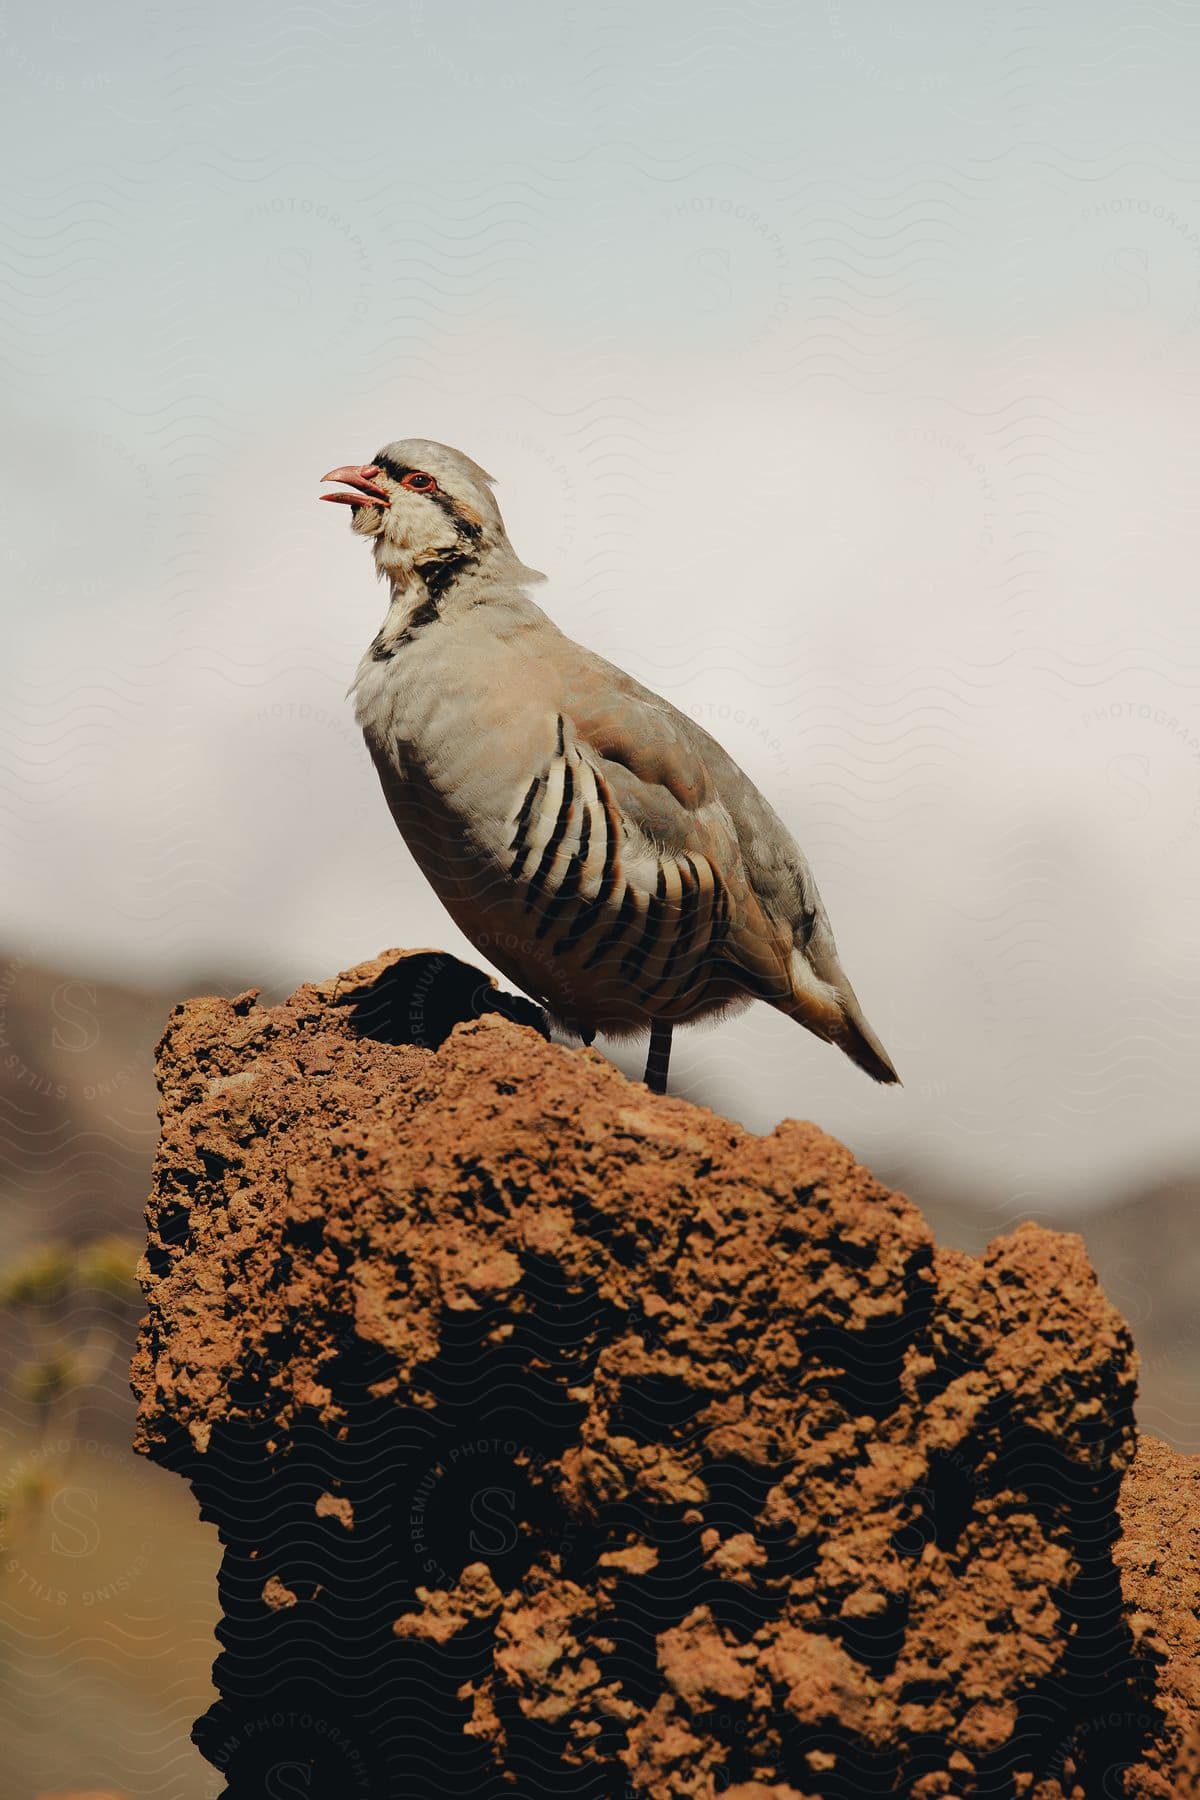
(838, 362)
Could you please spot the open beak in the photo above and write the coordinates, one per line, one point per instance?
(364, 479)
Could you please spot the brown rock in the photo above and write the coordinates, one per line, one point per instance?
(276, 1595)
(335, 1506)
(445, 1613)
(679, 1461)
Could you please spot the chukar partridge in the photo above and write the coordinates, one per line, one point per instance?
(597, 846)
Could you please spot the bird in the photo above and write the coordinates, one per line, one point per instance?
(592, 842)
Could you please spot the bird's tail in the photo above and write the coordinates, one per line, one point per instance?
(860, 1043)
(828, 1005)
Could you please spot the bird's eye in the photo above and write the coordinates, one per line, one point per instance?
(416, 478)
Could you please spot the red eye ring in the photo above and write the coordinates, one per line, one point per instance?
(419, 482)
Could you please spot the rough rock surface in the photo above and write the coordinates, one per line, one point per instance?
(566, 1440)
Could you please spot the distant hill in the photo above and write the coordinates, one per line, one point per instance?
(1145, 1247)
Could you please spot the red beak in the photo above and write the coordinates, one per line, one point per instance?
(363, 478)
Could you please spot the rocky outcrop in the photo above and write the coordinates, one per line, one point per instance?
(564, 1440)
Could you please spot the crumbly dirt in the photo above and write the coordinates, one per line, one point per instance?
(565, 1439)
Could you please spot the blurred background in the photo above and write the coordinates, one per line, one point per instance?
(838, 363)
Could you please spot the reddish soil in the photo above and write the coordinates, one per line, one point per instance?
(568, 1440)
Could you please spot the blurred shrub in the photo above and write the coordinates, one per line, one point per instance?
(108, 1266)
(49, 1379)
(43, 1278)
(50, 1273)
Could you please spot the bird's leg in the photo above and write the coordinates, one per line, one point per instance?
(658, 1060)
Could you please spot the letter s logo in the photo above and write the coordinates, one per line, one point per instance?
(711, 270)
(1127, 284)
(292, 266)
(1131, 798)
(80, 1026)
(286, 1780)
(74, 1509)
(495, 1505)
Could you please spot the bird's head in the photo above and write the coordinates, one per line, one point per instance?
(427, 509)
